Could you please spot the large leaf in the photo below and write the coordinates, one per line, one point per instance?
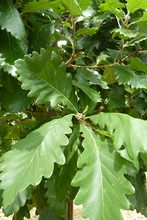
(10, 19)
(133, 6)
(45, 77)
(101, 179)
(125, 130)
(34, 157)
(128, 76)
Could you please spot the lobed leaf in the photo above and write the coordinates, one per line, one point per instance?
(101, 179)
(33, 157)
(128, 76)
(125, 130)
(10, 20)
(43, 74)
(133, 6)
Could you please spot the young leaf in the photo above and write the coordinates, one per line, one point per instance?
(10, 19)
(33, 157)
(125, 130)
(133, 6)
(43, 75)
(101, 179)
(127, 76)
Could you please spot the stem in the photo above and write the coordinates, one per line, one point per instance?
(69, 215)
(74, 36)
(74, 54)
(120, 61)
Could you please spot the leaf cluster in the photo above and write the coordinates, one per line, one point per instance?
(73, 107)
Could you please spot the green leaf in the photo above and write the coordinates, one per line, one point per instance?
(19, 201)
(12, 97)
(84, 4)
(34, 157)
(73, 7)
(101, 179)
(43, 74)
(35, 6)
(133, 6)
(86, 31)
(10, 20)
(129, 77)
(54, 204)
(139, 200)
(49, 215)
(125, 33)
(76, 6)
(138, 65)
(135, 41)
(10, 48)
(91, 93)
(90, 77)
(124, 130)
(116, 98)
(115, 6)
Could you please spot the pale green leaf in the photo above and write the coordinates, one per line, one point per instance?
(43, 74)
(33, 157)
(129, 77)
(11, 20)
(133, 6)
(91, 93)
(124, 130)
(101, 179)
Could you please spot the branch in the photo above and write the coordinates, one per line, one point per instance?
(120, 61)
